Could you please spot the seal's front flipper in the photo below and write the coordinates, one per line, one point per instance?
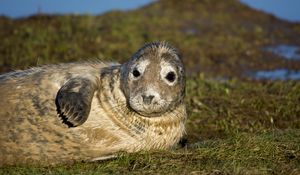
(73, 101)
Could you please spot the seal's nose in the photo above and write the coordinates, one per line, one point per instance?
(147, 99)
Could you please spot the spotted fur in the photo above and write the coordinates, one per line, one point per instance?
(82, 111)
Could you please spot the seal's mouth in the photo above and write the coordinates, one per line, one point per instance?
(149, 111)
(150, 115)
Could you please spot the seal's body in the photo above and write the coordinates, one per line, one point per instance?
(87, 111)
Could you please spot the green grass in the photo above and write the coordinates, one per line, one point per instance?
(275, 152)
(235, 125)
(218, 109)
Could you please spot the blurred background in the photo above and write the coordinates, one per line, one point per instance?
(285, 9)
(256, 39)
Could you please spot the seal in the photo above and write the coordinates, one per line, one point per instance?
(92, 110)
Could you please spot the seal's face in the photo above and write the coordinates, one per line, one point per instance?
(153, 80)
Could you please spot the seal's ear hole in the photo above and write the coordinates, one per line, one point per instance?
(136, 73)
(171, 76)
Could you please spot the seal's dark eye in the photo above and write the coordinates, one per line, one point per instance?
(136, 73)
(171, 77)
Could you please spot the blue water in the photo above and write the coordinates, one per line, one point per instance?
(285, 9)
(289, 52)
(23, 8)
(277, 74)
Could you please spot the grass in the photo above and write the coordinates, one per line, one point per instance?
(275, 152)
(235, 125)
(223, 108)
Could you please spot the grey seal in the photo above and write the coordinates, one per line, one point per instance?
(88, 111)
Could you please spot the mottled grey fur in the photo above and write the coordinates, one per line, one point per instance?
(86, 111)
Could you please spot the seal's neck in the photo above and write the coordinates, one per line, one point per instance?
(111, 93)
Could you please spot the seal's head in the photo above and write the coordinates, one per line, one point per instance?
(153, 80)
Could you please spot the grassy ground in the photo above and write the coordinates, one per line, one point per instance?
(275, 152)
(235, 125)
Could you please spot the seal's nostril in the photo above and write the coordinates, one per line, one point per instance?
(147, 99)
